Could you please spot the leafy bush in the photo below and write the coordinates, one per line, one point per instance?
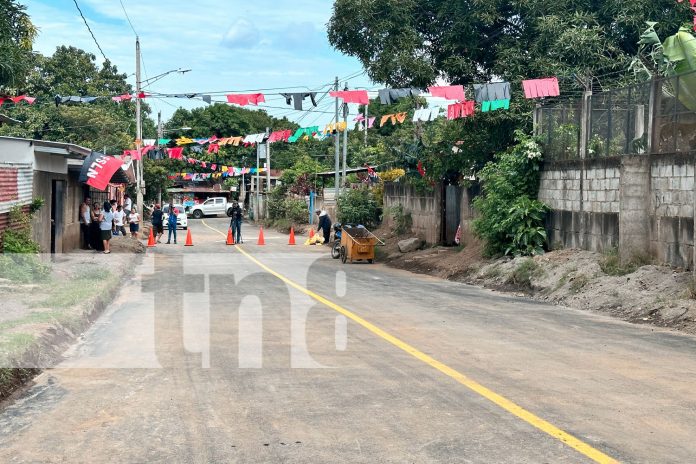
(391, 175)
(512, 220)
(296, 210)
(19, 261)
(358, 206)
(276, 202)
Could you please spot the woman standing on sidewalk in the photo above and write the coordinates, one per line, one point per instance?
(106, 224)
(134, 223)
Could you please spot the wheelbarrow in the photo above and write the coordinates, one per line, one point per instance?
(358, 244)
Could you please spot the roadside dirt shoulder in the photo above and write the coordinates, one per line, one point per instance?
(647, 294)
(41, 319)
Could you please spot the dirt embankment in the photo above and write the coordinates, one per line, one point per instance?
(636, 292)
(39, 320)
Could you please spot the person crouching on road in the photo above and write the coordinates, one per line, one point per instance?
(236, 223)
(106, 223)
(171, 223)
(157, 224)
(324, 224)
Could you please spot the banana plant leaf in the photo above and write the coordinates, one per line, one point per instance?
(680, 49)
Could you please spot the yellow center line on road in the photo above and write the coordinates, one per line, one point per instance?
(474, 386)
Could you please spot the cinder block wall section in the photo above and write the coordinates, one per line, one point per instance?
(642, 204)
(672, 202)
(425, 209)
(584, 201)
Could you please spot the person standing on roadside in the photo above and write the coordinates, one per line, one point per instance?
(119, 218)
(106, 223)
(95, 229)
(236, 222)
(157, 225)
(127, 204)
(134, 223)
(85, 222)
(171, 223)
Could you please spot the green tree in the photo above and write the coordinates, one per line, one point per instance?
(17, 35)
(103, 123)
(412, 43)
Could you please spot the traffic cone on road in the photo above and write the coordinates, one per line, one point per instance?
(230, 237)
(189, 242)
(261, 240)
(311, 233)
(291, 240)
(151, 240)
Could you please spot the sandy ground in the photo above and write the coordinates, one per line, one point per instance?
(651, 294)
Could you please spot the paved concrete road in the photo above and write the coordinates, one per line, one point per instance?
(208, 357)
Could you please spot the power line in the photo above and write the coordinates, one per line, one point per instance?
(90, 31)
(127, 17)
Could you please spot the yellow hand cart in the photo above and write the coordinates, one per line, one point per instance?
(358, 243)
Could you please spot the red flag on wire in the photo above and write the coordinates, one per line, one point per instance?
(101, 169)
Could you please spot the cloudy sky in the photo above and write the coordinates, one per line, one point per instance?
(230, 46)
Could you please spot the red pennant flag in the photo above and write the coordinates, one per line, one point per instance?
(101, 170)
(175, 153)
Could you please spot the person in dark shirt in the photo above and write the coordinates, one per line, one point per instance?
(324, 224)
(157, 225)
(236, 222)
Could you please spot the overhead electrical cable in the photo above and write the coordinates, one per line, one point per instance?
(90, 30)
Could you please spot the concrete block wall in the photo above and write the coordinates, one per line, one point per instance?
(425, 209)
(642, 204)
(560, 187)
(672, 203)
(600, 193)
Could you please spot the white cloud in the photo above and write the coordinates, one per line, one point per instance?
(242, 34)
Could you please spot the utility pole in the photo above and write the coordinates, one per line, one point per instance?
(268, 169)
(160, 135)
(138, 128)
(338, 149)
(345, 139)
(367, 121)
(257, 211)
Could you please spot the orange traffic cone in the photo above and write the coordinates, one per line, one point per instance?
(151, 240)
(311, 233)
(291, 240)
(230, 237)
(261, 240)
(189, 242)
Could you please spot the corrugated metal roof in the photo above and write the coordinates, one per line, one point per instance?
(16, 185)
(68, 147)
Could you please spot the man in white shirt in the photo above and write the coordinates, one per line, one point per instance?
(119, 217)
(127, 204)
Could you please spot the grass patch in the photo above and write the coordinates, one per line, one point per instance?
(579, 283)
(492, 272)
(691, 289)
(84, 285)
(524, 273)
(611, 263)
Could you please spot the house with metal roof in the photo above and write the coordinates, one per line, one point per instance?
(49, 170)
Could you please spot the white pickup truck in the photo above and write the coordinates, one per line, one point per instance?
(211, 207)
